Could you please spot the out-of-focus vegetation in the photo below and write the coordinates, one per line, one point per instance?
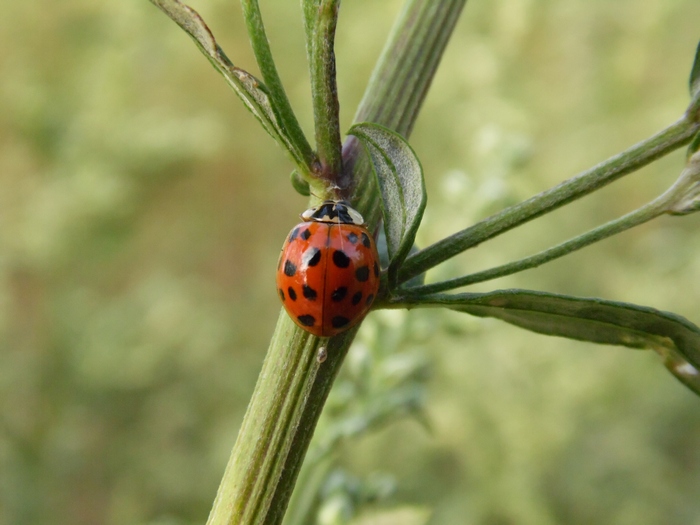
(141, 214)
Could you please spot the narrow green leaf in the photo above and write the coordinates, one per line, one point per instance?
(694, 81)
(281, 106)
(586, 319)
(252, 91)
(300, 184)
(400, 179)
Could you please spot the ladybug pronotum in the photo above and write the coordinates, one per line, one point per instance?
(328, 272)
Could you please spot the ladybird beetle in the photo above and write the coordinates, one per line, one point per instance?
(328, 272)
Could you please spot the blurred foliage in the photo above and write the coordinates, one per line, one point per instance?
(137, 249)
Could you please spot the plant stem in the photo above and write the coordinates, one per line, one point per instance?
(400, 81)
(292, 386)
(277, 427)
(671, 138)
(397, 89)
(281, 105)
(321, 31)
(640, 216)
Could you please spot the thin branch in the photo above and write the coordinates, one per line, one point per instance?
(644, 214)
(641, 154)
(324, 90)
(281, 104)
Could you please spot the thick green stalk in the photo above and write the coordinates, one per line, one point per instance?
(293, 386)
(278, 426)
(408, 63)
(397, 88)
(641, 154)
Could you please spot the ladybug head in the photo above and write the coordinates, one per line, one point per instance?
(339, 212)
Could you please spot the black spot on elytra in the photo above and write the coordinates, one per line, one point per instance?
(365, 240)
(307, 320)
(340, 259)
(294, 234)
(362, 273)
(339, 321)
(289, 268)
(311, 257)
(281, 293)
(369, 300)
(352, 237)
(309, 293)
(291, 293)
(339, 294)
(305, 234)
(356, 298)
(376, 269)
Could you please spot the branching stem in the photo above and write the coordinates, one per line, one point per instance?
(641, 154)
(659, 206)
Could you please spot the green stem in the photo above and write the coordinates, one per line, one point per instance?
(280, 102)
(637, 217)
(397, 88)
(320, 41)
(680, 199)
(641, 154)
(278, 426)
(649, 211)
(292, 386)
(408, 63)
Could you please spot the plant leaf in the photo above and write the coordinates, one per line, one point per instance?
(694, 81)
(252, 91)
(300, 184)
(675, 338)
(400, 179)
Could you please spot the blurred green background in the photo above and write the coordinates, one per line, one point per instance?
(142, 210)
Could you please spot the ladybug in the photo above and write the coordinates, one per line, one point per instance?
(328, 272)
